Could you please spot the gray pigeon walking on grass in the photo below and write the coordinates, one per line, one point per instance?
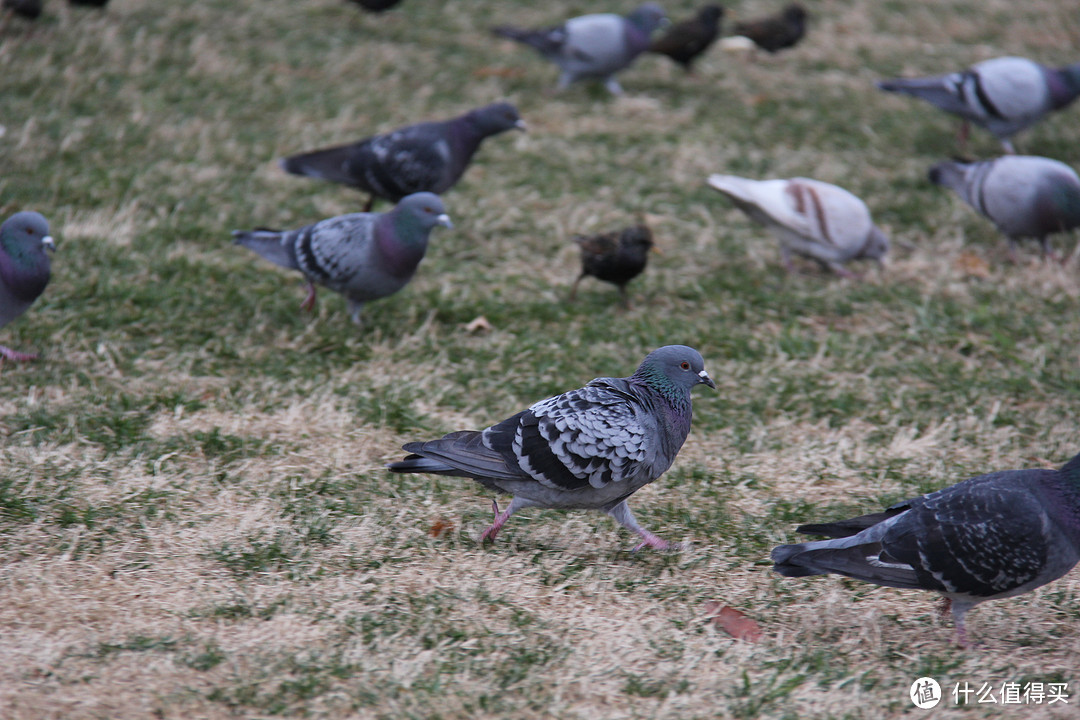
(24, 269)
(363, 256)
(588, 449)
(1025, 196)
(810, 218)
(1003, 95)
(426, 157)
(592, 46)
(993, 536)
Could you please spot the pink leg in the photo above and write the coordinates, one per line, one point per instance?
(500, 520)
(15, 355)
(309, 301)
(654, 541)
(624, 517)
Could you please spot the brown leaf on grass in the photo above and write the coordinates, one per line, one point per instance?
(478, 325)
(440, 527)
(972, 265)
(734, 622)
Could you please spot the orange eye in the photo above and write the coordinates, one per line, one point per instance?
(684, 365)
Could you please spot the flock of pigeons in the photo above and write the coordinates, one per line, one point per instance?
(991, 536)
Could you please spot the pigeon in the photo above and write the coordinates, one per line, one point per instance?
(687, 40)
(427, 157)
(363, 256)
(1024, 195)
(615, 257)
(592, 46)
(810, 218)
(590, 448)
(993, 536)
(376, 6)
(24, 269)
(776, 32)
(1003, 95)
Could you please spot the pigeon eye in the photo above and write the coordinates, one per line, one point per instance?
(684, 365)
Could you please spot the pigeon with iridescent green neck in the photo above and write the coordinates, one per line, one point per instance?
(587, 449)
(363, 256)
(993, 536)
(24, 269)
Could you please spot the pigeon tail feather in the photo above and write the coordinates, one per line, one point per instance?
(326, 164)
(268, 244)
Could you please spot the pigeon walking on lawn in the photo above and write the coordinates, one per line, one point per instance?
(24, 269)
(810, 218)
(687, 40)
(993, 536)
(427, 157)
(592, 46)
(363, 256)
(1003, 95)
(588, 449)
(1025, 196)
(776, 32)
(615, 257)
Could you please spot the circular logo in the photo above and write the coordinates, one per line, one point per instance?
(925, 693)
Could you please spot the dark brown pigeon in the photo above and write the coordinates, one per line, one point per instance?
(689, 39)
(776, 32)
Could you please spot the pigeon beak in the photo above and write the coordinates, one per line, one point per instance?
(48, 242)
(520, 125)
(444, 220)
(706, 379)
(656, 249)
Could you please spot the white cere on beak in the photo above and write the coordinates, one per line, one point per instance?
(47, 241)
(444, 220)
(520, 125)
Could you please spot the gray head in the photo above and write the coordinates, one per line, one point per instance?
(24, 237)
(496, 118)
(877, 245)
(646, 17)
(420, 211)
(673, 368)
(950, 174)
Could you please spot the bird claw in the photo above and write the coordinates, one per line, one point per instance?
(7, 353)
(658, 543)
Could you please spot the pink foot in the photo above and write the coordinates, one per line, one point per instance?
(309, 301)
(15, 355)
(500, 520)
(653, 541)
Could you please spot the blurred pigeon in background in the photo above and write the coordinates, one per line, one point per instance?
(776, 32)
(90, 3)
(993, 536)
(810, 218)
(429, 156)
(616, 257)
(687, 40)
(587, 449)
(24, 269)
(592, 46)
(363, 256)
(29, 9)
(1024, 195)
(1003, 95)
(376, 6)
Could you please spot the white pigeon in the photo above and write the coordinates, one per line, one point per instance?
(811, 218)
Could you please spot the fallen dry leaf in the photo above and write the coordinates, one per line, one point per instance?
(972, 265)
(478, 325)
(440, 527)
(734, 622)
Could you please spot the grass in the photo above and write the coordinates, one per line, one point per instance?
(196, 521)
